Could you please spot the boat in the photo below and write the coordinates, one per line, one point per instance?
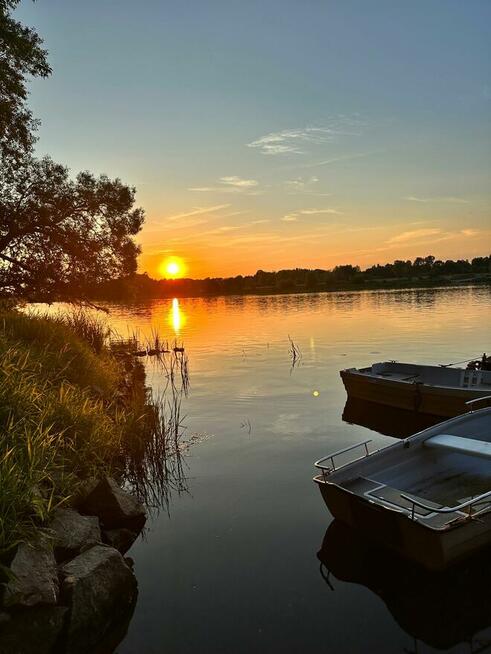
(427, 497)
(434, 390)
(442, 609)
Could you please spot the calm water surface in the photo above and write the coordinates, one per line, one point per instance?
(232, 566)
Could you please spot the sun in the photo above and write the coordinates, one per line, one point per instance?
(172, 268)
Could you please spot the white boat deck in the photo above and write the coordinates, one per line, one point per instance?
(445, 377)
(439, 470)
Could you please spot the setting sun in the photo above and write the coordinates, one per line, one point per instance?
(172, 268)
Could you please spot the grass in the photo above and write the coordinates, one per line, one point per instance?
(72, 405)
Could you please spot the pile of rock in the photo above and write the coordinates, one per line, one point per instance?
(71, 588)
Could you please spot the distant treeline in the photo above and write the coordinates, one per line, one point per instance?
(420, 272)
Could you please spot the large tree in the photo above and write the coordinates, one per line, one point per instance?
(21, 56)
(59, 235)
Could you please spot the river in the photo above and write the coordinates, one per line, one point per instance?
(230, 565)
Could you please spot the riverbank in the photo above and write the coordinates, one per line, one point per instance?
(74, 412)
(68, 406)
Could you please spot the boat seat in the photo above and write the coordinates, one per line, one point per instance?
(393, 496)
(461, 445)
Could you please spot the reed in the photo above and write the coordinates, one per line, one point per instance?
(295, 353)
(73, 404)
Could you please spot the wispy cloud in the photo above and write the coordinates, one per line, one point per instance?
(238, 182)
(291, 141)
(304, 186)
(449, 198)
(229, 184)
(414, 234)
(293, 216)
(433, 234)
(198, 211)
(346, 157)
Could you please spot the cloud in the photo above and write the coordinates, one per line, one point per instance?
(312, 212)
(347, 157)
(291, 141)
(413, 198)
(414, 234)
(238, 182)
(198, 211)
(470, 232)
(229, 184)
(293, 217)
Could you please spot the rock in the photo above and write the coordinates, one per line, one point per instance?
(73, 533)
(33, 631)
(35, 577)
(121, 539)
(114, 507)
(101, 589)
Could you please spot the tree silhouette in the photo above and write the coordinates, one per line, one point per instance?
(58, 234)
(21, 55)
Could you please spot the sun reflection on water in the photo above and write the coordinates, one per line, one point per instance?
(177, 318)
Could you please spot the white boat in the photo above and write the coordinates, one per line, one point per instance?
(433, 390)
(428, 497)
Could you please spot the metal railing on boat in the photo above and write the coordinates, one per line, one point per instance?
(330, 457)
(471, 403)
(449, 509)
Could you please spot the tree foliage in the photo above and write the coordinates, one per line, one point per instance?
(21, 56)
(59, 234)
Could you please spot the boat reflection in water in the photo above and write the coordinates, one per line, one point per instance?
(386, 420)
(441, 609)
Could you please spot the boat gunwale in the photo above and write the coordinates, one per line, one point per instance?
(418, 437)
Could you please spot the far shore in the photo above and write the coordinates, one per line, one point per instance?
(383, 285)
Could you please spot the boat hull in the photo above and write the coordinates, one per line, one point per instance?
(418, 397)
(434, 549)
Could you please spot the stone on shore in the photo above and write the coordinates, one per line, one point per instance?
(101, 588)
(35, 576)
(113, 506)
(35, 631)
(73, 533)
(121, 539)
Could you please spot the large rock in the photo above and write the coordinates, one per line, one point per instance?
(121, 539)
(101, 589)
(35, 576)
(73, 533)
(33, 631)
(114, 507)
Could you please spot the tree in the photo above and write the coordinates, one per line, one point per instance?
(59, 235)
(21, 55)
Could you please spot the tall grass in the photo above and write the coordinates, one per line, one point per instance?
(71, 406)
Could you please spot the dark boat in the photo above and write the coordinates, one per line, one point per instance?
(435, 390)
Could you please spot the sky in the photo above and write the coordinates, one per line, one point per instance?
(274, 134)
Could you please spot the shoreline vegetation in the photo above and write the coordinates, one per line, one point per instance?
(74, 405)
(86, 450)
(420, 273)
